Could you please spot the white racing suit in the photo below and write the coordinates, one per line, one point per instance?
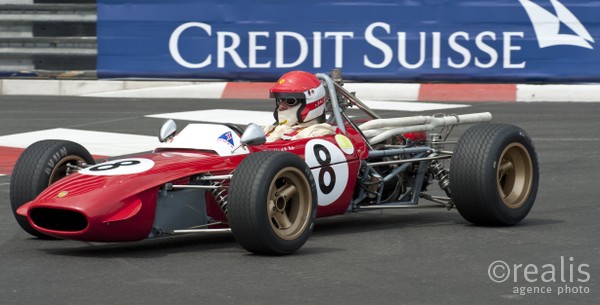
(299, 131)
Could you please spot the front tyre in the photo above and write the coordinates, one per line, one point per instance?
(494, 174)
(272, 203)
(41, 164)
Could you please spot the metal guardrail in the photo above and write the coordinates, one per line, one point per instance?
(50, 46)
(27, 46)
(13, 13)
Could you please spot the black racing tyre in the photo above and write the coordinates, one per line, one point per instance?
(272, 203)
(494, 174)
(41, 164)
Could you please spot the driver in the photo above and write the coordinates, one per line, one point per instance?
(299, 108)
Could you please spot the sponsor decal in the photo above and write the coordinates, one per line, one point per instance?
(547, 26)
(456, 50)
(527, 40)
(226, 137)
(344, 143)
(377, 35)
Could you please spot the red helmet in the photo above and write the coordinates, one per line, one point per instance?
(304, 88)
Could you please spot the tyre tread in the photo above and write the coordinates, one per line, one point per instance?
(251, 177)
(470, 170)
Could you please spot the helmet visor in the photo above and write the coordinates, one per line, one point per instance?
(289, 99)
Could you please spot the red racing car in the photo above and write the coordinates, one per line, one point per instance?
(215, 178)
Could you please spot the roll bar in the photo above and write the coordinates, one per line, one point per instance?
(378, 129)
(335, 105)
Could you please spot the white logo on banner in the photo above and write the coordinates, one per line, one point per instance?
(547, 26)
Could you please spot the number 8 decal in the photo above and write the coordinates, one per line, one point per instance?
(325, 162)
(119, 167)
(111, 166)
(329, 168)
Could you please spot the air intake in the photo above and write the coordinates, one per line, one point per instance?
(58, 220)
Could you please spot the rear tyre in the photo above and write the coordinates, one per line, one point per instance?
(272, 203)
(41, 164)
(494, 174)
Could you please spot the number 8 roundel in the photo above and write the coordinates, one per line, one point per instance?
(119, 167)
(329, 168)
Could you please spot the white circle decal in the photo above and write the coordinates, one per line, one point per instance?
(119, 167)
(329, 168)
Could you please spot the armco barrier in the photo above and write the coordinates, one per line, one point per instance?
(47, 38)
(387, 40)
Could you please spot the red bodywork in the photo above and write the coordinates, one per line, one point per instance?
(113, 208)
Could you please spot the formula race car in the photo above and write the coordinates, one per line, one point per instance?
(220, 178)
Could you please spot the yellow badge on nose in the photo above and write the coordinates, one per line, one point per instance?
(281, 81)
(345, 144)
(62, 194)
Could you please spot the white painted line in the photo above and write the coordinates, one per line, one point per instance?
(96, 142)
(410, 106)
(558, 93)
(385, 91)
(242, 117)
(574, 139)
(204, 90)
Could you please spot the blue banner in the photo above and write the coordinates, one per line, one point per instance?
(384, 40)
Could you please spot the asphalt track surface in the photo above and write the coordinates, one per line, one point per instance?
(419, 256)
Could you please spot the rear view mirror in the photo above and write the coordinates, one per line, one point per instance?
(253, 135)
(167, 131)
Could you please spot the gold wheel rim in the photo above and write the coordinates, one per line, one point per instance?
(60, 170)
(514, 175)
(289, 203)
